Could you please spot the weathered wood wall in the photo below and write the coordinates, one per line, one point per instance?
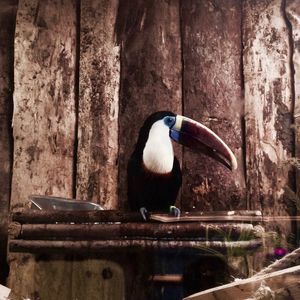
(87, 73)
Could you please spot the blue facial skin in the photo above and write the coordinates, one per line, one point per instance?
(175, 135)
(170, 122)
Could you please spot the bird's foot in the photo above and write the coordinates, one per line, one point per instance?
(175, 211)
(144, 212)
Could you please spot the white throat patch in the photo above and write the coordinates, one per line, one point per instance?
(158, 155)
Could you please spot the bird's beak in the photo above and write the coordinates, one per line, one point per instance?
(198, 137)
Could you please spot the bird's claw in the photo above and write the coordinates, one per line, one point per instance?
(175, 211)
(144, 212)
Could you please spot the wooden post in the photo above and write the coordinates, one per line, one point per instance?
(43, 127)
(7, 27)
(149, 34)
(268, 106)
(212, 94)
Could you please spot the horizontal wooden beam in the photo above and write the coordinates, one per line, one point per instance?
(60, 216)
(103, 231)
(40, 246)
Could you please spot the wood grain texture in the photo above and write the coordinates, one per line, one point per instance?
(43, 125)
(268, 104)
(97, 172)
(7, 26)
(44, 103)
(212, 94)
(149, 34)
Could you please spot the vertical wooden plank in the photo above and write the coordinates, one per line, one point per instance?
(293, 14)
(149, 34)
(43, 125)
(211, 33)
(44, 118)
(268, 104)
(7, 26)
(97, 172)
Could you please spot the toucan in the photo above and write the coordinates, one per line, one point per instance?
(153, 173)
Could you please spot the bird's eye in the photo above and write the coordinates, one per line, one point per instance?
(169, 121)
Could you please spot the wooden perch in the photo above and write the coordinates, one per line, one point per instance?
(59, 216)
(85, 231)
(196, 230)
(40, 246)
